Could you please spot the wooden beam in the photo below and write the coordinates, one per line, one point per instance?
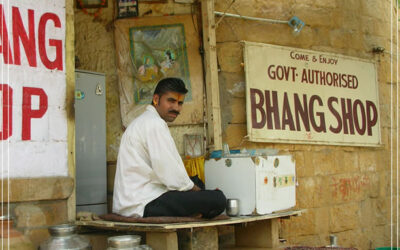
(165, 227)
(162, 241)
(211, 68)
(70, 81)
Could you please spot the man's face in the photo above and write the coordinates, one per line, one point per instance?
(169, 105)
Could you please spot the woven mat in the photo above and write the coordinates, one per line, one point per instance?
(158, 220)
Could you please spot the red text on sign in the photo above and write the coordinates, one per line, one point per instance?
(27, 36)
(28, 112)
(351, 115)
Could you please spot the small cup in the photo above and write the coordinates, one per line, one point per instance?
(232, 207)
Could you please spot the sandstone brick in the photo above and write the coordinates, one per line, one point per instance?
(376, 9)
(264, 32)
(40, 214)
(374, 26)
(322, 220)
(306, 38)
(321, 37)
(266, 9)
(386, 115)
(225, 32)
(388, 209)
(16, 243)
(324, 162)
(340, 165)
(230, 57)
(314, 16)
(318, 3)
(37, 236)
(322, 193)
(367, 213)
(31, 189)
(381, 209)
(385, 139)
(372, 189)
(377, 236)
(384, 78)
(301, 170)
(234, 83)
(312, 192)
(350, 161)
(307, 240)
(349, 187)
(348, 18)
(343, 38)
(344, 217)
(349, 4)
(375, 40)
(232, 98)
(238, 110)
(306, 193)
(304, 224)
(234, 134)
(159, 9)
(350, 238)
(29, 215)
(367, 160)
(384, 189)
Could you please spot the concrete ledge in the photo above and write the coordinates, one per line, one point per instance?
(36, 189)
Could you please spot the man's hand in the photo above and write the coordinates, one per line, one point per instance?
(195, 188)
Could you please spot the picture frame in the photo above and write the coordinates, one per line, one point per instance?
(91, 4)
(152, 48)
(127, 8)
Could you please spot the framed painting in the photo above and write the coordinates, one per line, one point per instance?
(152, 48)
(158, 52)
(88, 4)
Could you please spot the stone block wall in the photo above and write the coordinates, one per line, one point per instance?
(346, 190)
(35, 204)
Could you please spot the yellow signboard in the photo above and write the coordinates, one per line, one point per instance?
(303, 96)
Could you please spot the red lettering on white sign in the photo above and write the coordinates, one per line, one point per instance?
(7, 94)
(5, 44)
(20, 34)
(28, 39)
(28, 113)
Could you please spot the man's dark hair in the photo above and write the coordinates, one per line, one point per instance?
(170, 84)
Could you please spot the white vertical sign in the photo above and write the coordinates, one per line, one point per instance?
(33, 127)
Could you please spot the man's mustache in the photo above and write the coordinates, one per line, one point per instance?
(174, 112)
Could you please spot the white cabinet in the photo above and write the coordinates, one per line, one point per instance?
(262, 184)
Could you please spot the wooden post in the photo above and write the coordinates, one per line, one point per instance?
(211, 68)
(258, 234)
(198, 238)
(162, 240)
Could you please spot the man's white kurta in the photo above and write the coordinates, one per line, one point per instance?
(148, 165)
